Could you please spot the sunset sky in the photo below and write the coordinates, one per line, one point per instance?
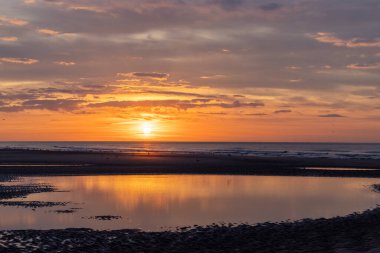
(190, 70)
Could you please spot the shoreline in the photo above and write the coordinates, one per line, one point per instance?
(37, 162)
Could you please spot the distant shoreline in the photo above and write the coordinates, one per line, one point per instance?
(362, 151)
(33, 162)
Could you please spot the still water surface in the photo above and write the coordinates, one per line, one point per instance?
(153, 202)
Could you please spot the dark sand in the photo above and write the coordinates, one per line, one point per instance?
(56, 162)
(351, 234)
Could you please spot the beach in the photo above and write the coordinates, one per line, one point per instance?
(356, 232)
(352, 234)
(19, 161)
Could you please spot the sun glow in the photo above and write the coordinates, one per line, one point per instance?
(146, 128)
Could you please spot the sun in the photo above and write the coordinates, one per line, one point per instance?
(146, 128)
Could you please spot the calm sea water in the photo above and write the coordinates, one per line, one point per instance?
(335, 150)
(163, 202)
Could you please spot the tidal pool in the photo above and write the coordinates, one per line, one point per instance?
(162, 202)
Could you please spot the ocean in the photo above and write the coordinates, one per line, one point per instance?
(264, 149)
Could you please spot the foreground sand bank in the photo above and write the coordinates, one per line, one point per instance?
(350, 234)
(60, 162)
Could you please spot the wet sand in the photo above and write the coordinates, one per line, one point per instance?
(351, 234)
(37, 162)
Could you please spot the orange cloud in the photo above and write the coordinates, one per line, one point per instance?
(25, 61)
(364, 66)
(330, 38)
(48, 32)
(213, 77)
(12, 21)
(65, 63)
(8, 39)
(151, 75)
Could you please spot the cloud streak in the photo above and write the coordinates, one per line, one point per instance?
(23, 61)
(364, 66)
(153, 75)
(49, 32)
(331, 115)
(8, 39)
(179, 104)
(330, 38)
(282, 111)
(12, 21)
(65, 63)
